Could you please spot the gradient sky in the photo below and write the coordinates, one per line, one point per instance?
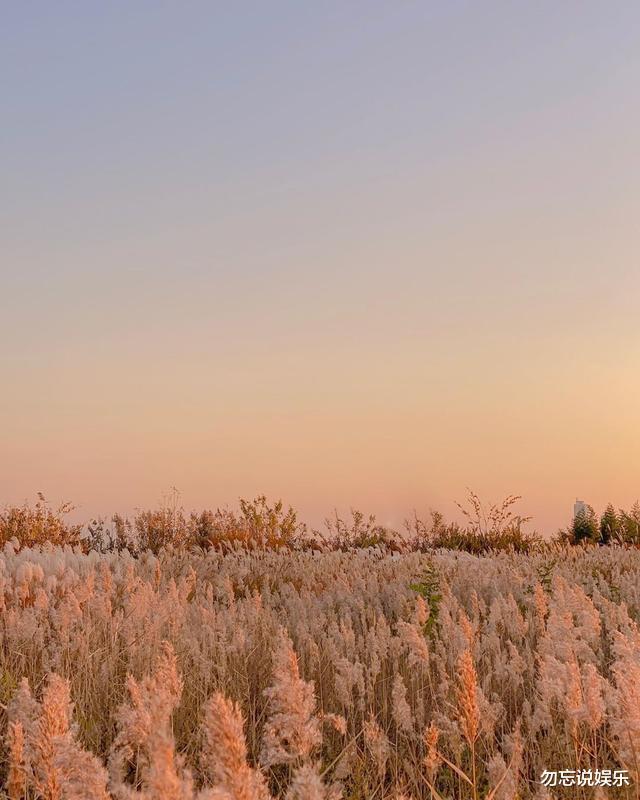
(356, 253)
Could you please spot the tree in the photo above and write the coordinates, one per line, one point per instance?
(610, 525)
(630, 524)
(585, 527)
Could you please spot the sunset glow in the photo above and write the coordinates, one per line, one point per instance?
(349, 255)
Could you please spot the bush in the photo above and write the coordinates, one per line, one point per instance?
(360, 532)
(487, 529)
(257, 525)
(38, 525)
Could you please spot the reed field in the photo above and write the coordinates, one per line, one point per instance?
(357, 256)
(317, 673)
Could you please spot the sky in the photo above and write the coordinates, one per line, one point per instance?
(360, 254)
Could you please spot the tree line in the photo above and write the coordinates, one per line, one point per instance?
(613, 527)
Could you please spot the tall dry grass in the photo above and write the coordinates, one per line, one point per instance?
(303, 675)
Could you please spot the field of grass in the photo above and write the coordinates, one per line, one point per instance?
(316, 674)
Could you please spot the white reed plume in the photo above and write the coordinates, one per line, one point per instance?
(224, 753)
(292, 730)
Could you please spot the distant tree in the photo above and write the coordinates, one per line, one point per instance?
(585, 527)
(629, 522)
(610, 527)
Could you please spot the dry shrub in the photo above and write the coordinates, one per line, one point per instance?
(39, 525)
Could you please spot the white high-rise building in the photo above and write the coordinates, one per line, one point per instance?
(579, 507)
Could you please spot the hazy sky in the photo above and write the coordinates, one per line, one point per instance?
(344, 253)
